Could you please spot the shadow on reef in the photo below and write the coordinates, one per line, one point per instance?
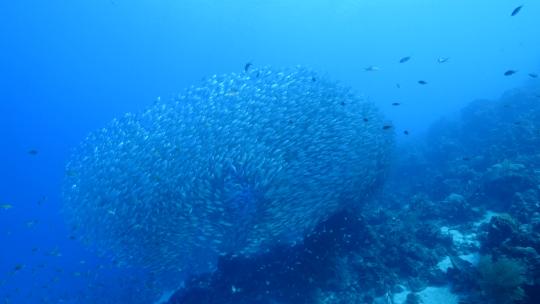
(283, 275)
(348, 256)
(460, 212)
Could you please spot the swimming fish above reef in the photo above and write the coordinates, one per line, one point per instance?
(443, 59)
(371, 68)
(405, 59)
(533, 75)
(422, 82)
(509, 72)
(516, 10)
(212, 173)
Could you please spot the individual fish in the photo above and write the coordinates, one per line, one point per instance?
(33, 152)
(387, 127)
(31, 223)
(55, 253)
(422, 82)
(533, 75)
(510, 72)
(366, 120)
(516, 10)
(443, 59)
(42, 200)
(406, 132)
(18, 267)
(396, 103)
(398, 86)
(6, 206)
(247, 66)
(405, 59)
(371, 68)
(232, 93)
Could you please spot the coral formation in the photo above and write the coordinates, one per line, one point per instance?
(501, 280)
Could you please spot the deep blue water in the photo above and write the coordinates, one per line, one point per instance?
(69, 67)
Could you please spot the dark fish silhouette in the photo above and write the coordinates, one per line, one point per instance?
(395, 103)
(371, 68)
(386, 127)
(247, 66)
(422, 82)
(516, 10)
(406, 132)
(509, 72)
(533, 75)
(405, 59)
(33, 152)
(366, 120)
(442, 59)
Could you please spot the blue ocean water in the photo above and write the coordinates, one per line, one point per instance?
(68, 68)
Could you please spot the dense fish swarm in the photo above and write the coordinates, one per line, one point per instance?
(234, 165)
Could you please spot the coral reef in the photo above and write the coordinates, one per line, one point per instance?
(501, 280)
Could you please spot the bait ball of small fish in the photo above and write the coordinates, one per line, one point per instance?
(235, 165)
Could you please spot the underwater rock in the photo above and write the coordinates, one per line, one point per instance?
(287, 274)
(455, 209)
(347, 259)
(236, 165)
(462, 275)
(504, 179)
(501, 229)
(526, 206)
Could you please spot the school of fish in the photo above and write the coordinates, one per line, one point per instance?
(235, 165)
